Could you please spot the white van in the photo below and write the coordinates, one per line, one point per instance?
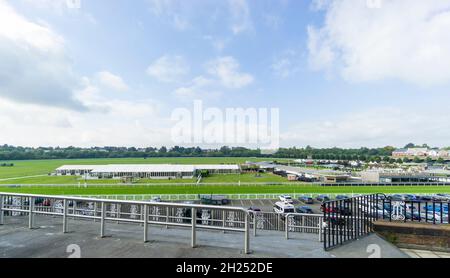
(283, 208)
(286, 199)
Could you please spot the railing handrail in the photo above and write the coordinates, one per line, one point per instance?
(130, 202)
(31, 210)
(287, 223)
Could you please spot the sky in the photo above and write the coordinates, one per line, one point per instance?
(342, 73)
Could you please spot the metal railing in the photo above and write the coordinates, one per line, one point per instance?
(348, 219)
(432, 211)
(195, 197)
(304, 223)
(351, 218)
(191, 216)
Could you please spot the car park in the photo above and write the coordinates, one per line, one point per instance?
(306, 200)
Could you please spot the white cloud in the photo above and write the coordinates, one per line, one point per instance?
(286, 64)
(240, 16)
(120, 122)
(112, 81)
(176, 12)
(199, 88)
(218, 44)
(58, 6)
(373, 128)
(34, 65)
(226, 69)
(405, 40)
(168, 68)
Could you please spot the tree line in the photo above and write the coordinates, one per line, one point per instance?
(8, 152)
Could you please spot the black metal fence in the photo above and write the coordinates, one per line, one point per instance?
(433, 211)
(349, 219)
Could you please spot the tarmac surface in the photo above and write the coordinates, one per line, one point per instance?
(126, 241)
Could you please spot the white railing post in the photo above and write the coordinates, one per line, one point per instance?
(287, 226)
(194, 231)
(30, 213)
(95, 211)
(254, 224)
(320, 230)
(65, 216)
(247, 234)
(145, 223)
(223, 220)
(1, 211)
(102, 222)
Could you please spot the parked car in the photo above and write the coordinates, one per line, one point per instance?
(426, 198)
(328, 209)
(396, 197)
(283, 208)
(305, 209)
(343, 211)
(341, 197)
(306, 200)
(254, 209)
(322, 198)
(443, 197)
(215, 200)
(156, 200)
(286, 198)
(410, 197)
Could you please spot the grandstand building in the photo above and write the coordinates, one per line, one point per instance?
(144, 171)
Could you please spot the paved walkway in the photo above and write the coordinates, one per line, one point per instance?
(371, 246)
(417, 254)
(126, 240)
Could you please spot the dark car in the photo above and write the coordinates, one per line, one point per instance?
(344, 211)
(396, 197)
(426, 198)
(410, 197)
(306, 200)
(323, 198)
(328, 209)
(304, 209)
(341, 197)
(254, 209)
(215, 200)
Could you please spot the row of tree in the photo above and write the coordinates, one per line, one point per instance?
(8, 152)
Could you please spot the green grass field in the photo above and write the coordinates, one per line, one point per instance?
(43, 167)
(23, 173)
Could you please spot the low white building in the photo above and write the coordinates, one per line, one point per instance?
(75, 170)
(144, 171)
